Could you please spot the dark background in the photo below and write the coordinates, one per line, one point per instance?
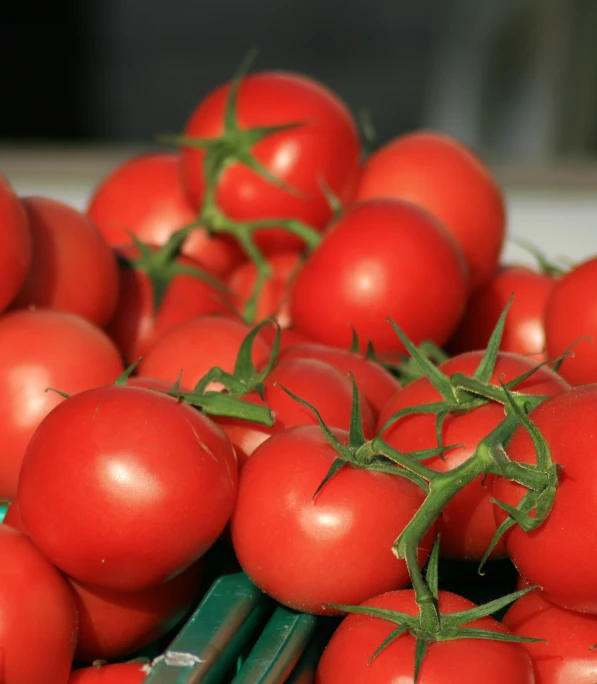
(513, 78)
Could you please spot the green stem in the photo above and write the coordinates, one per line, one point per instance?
(382, 448)
(428, 611)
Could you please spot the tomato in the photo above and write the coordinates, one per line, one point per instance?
(152, 480)
(567, 655)
(13, 517)
(443, 176)
(466, 661)
(39, 350)
(557, 555)
(72, 267)
(381, 259)
(118, 673)
(376, 383)
(467, 523)
(15, 244)
(571, 323)
(318, 383)
(336, 548)
(144, 196)
(288, 336)
(273, 298)
(197, 345)
(323, 148)
(38, 616)
(113, 624)
(135, 324)
(524, 331)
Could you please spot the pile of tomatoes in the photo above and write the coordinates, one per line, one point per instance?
(275, 341)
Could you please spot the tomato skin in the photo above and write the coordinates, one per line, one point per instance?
(376, 383)
(143, 472)
(117, 673)
(15, 244)
(441, 175)
(325, 148)
(288, 337)
(41, 349)
(466, 661)
(113, 624)
(144, 196)
(381, 259)
(467, 524)
(197, 345)
(72, 267)
(567, 655)
(335, 549)
(524, 330)
(38, 616)
(273, 298)
(318, 383)
(568, 536)
(135, 324)
(13, 517)
(571, 322)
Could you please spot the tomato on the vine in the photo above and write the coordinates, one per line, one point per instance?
(152, 481)
(322, 148)
(441, 175)
(117, 673)
(380, 259)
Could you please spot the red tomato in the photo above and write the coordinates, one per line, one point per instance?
(118, 673)
(441, 175)
(38, 616)
(381, 259)
(15, 244)
(153, 482)
(524, 331)
(376, 383)
(72, 267)
(567, 655)
(467, 523)
(144, 196)
(571, 322)
(273, 298)
(334, 549)
(568, 536)
(152, 383)
(318, 383)
(113, 624)
(13, 517)
(135, 325)
(325, 148)
(196, 346)
(288, 336)
(38, 350)
(466, 661)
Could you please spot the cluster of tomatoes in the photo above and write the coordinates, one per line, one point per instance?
(289, 297)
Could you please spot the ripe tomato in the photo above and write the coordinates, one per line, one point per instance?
(467, 523)
(325, 147)
(118, 673)
(336, 548)
(466, 661)
(153, 482)
(376, 383)
(15, 244)
(13, 517)
(38, 616)
(567, 537)
(72, 267)
(570, 636)
(441, 175)
(571, 321)
(144, 196)
(288, 336)
(381, 259)
(196, 346)
(524, 331)
(273, 298)
(318, 383)
(113, 624)
(38, 350)
(135, 324)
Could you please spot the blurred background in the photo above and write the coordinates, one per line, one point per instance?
(513, 78)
